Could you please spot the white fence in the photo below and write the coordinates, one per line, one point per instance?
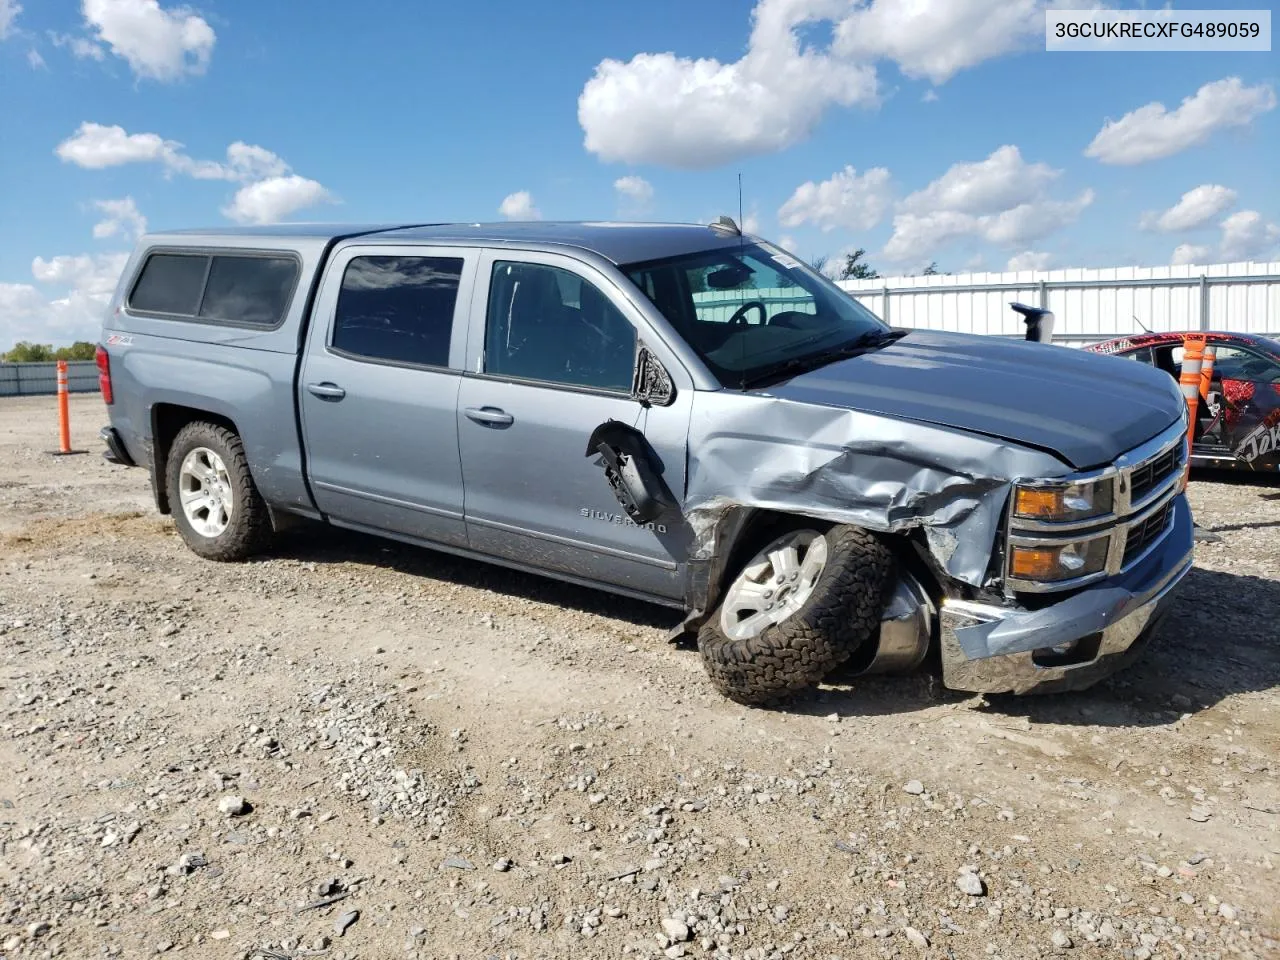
(29, 379)
(1089, 304)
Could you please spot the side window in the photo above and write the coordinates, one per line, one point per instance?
(1236, 363)
(398, 309)
(1169, 359)
(544, 323)
(170, 283)
(248, 290)
(1142, 355)
(251, 290)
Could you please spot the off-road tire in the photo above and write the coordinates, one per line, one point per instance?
(250, 528)
(841, 615)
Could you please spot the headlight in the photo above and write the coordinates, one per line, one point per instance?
(1063, 502)
(1066, 561)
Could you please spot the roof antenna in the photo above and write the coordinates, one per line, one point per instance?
(1140, 323)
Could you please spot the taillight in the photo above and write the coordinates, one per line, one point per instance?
(104, 373)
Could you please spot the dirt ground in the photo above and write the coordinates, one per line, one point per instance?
(352, 748)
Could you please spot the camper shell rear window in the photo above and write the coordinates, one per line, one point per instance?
(240, 288)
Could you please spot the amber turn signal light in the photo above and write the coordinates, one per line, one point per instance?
(1029, 564)
(1039, 502)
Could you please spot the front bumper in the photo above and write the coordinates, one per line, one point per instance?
(993, 649)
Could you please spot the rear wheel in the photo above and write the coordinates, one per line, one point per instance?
(805, 603)
(216, 506)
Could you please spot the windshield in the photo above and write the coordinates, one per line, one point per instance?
(749, 309)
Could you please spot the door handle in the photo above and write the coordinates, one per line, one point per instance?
(326, 390)
(490, 416)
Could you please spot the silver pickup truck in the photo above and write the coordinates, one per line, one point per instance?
(680, 413)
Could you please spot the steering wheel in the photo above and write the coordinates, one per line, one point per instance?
(739, 317)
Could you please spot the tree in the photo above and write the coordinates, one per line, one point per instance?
(819, 263)
(932, 269)
(855, 268)
(27, 352)
(80, 350)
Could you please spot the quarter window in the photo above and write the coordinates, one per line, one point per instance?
(398, 309)
(549, 324)
(245, 290)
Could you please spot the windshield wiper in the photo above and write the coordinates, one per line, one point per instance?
(870, 340)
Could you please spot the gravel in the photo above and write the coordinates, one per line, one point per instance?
(387, 719)
(971, 884)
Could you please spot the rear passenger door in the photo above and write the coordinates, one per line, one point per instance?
(379, 388)
(552, 352)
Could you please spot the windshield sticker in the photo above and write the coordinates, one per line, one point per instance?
(786, 261)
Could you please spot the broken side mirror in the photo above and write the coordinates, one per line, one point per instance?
(1039, 322)
(650, 382)
(630, 471)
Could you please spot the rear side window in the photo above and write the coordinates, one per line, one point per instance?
(253, 290)
(170, 283)
(398, 309)
(245, 290)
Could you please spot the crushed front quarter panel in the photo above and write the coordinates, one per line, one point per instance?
(881, 473)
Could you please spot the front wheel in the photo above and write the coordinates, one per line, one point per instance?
(803, 605)
(216, 506)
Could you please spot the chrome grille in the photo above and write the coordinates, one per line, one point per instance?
(1146, 532)
(1147, 476)
(1145, 483)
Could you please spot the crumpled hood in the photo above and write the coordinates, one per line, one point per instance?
(1086, 408)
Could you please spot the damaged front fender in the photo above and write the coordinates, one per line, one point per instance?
(876, 472)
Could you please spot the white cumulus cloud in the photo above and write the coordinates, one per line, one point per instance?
(1188, 253)
(120, 218)
(697, 113)
(519, 206)
(1196, 209)
(1001, 181)
(158, 44)
(936, 40)
(694, 113)
(1029, 260)
(847, 199)
(9, 10)
(245, 162)
(95, 146)
(1003, 200)
(274, 199)
(35, 60)
(82, 48)
(1153, 132)
(634, 193)
(67, 305)
(271, 190)
(1246, 235)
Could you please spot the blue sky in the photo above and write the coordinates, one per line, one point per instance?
(921, 131)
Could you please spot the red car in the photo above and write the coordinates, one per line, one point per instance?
(1238, 423)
